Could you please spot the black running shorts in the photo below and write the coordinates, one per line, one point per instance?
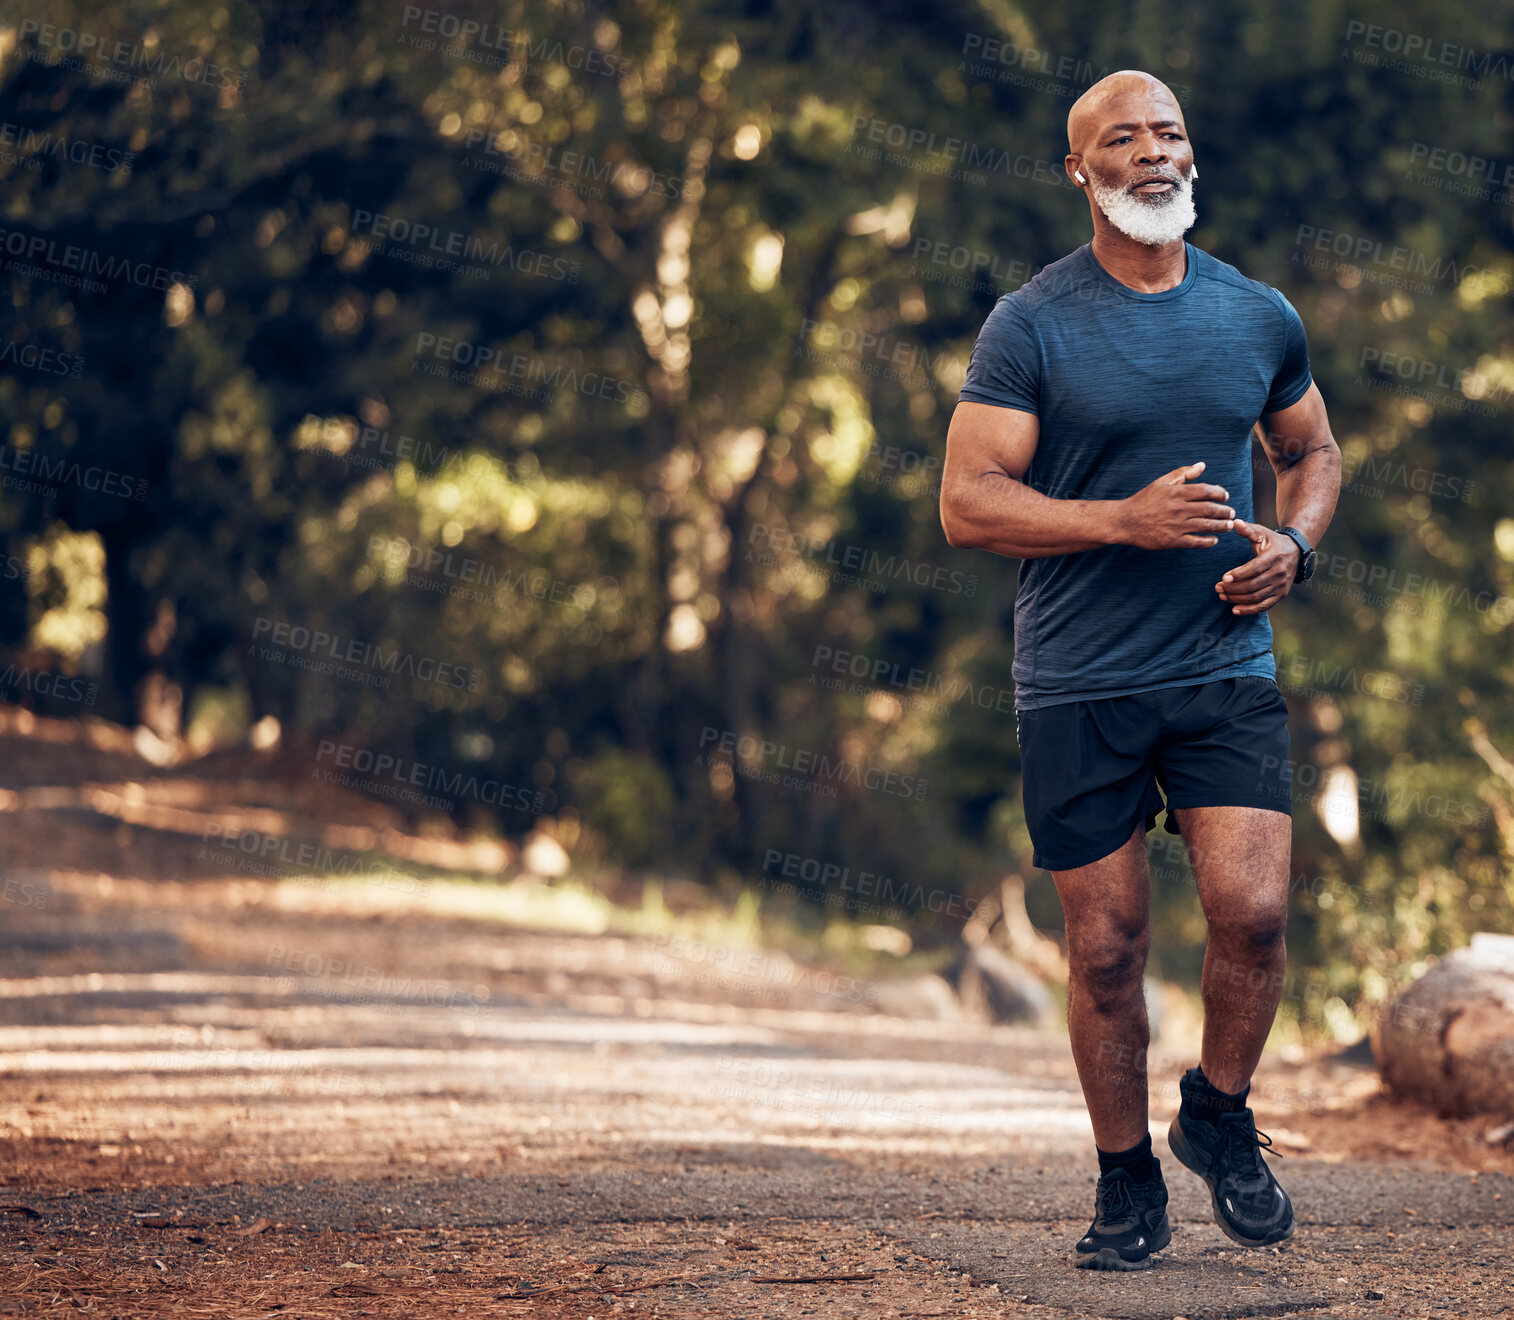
(1090, 769)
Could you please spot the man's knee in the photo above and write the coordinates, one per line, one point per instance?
(1110, 969)
(1255, 929)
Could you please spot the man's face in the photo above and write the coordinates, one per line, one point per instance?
(1139, 167)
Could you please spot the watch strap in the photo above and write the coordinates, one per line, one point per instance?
(1304, 549)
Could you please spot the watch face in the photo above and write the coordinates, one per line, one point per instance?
(1306, 567)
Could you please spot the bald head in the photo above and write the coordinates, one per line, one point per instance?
(1128, 148)
(1105, 102)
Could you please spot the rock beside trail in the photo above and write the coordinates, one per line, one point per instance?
(1448, 1040)
(984, 985)
(927, 998)
(993, 987)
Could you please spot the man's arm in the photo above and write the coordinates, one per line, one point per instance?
(985, 504)
(1307, 461)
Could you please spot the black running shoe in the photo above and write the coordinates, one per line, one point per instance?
(1129, 1223)
(1249, 1206)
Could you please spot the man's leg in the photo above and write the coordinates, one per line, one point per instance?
(1108, 909)
(1240, 858)
(1088, 772)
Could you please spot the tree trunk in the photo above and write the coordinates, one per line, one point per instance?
(1448, 1039)
(128, 616)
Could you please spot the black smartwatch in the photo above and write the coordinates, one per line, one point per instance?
(1306, 553)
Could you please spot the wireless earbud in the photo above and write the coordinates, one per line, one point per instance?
(1078, 175)
(1193, 171)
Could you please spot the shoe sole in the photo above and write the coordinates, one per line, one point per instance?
(1109, 1258)
(1180, 1147)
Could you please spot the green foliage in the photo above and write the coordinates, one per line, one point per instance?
(628, 800)
(639, 532)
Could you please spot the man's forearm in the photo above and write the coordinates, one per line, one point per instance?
(1307, 491)
(997, 513)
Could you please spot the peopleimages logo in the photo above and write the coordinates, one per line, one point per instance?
(32, 473)
(380, 772)
(1361, 250)
(1421, 371)
(1380, 584)
(774, 974)
(33, 146)
(1372, 476)
(440, 245)
(898, 466)
(858, 560)
(912, 358)
(1039, 70)
(868, 884)
(935, 259)
(875, 672)
(45, 683)
(751, 756)
(49, 361)
(344, 440)
(815, 1098)
(1475, 167)
(372, 987)
(476, 41)
(534, 160)
(1029, 59)
(440, 571)
(275, 855)
(921, 150)
(347, 657)
(1423, 50)
(1377, 800)
(146, 57)
(267, 1069)
(1435, 383)
(37, 248)
(517, 373)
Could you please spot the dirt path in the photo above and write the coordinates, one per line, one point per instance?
(270, 1100)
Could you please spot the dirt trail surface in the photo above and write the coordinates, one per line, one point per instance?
(269, 1101)
(249, 1097)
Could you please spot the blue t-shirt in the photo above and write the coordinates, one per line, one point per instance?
(1128, 386)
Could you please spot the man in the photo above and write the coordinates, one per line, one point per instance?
(1103, 437)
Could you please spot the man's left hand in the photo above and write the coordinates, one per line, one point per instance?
(1260, 584)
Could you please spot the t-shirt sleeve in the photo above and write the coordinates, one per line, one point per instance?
(1292, 378)
(1005, 366)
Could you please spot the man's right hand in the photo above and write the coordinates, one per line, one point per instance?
(1176, 511)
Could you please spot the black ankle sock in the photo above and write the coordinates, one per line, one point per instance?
(1138, 1161)
(1208, 1102)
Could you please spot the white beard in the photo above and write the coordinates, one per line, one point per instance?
(1149, 220)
